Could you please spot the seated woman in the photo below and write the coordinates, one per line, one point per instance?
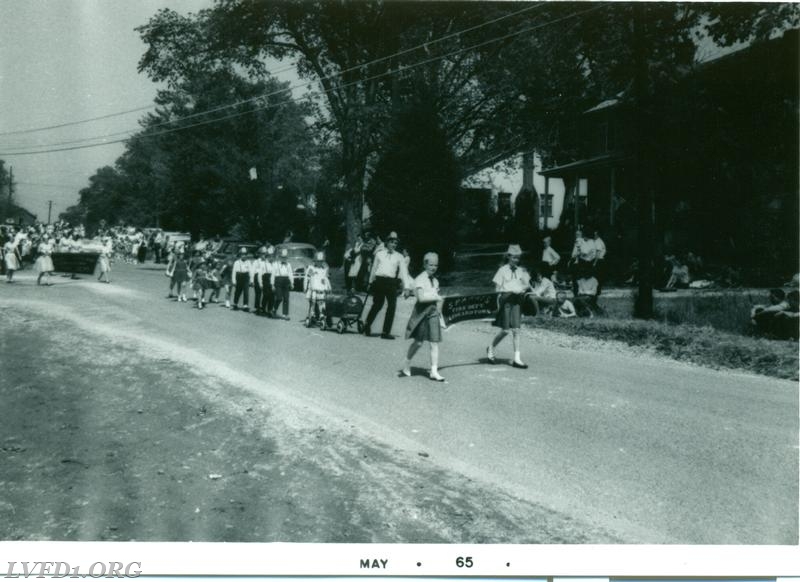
(762, 316)
(679, 275)
(786, 323)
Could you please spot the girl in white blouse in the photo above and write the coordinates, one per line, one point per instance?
(511, 281)
(424, 323)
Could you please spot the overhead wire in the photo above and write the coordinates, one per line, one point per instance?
(293, 100)
(285, 69)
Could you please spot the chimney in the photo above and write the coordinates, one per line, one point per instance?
(527, 171)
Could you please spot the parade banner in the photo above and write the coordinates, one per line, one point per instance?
(463, 307)
(77, 263)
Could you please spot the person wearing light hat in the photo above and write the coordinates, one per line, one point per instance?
(388, 272)
(257, 269)
(240, 277)
(512, 282)
(282, 283)
(317, 285)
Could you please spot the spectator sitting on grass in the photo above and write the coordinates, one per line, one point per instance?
(586, 299)
(785, 323)
(543, 291)
(563, 307)
(679, 275)
(761, 316)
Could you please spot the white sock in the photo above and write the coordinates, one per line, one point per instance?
(517, 359)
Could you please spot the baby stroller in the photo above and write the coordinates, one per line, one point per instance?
(348, 309)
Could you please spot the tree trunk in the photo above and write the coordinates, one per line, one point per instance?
(643, 308)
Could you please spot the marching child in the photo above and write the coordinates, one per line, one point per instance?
(225, 278)
(425, 321)
(257, 269)
(267, 291)
(212, 280)
(317, 285)
(512, 281)
(199, 282)
(178, 269)
(105, 260)
(240, 277)
(282, 283)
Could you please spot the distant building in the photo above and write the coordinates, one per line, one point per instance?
(16, 215)
(509, 176)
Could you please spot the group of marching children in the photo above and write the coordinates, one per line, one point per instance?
(272, 279)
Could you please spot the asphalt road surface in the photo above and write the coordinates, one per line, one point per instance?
(649, 449)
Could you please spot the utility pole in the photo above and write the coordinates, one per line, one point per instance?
(10, 186)
(49, 210)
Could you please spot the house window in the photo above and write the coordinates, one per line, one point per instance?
(546, 207)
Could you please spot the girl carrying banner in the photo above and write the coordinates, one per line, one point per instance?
(425, 321)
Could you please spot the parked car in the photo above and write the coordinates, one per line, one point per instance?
(301, 256)
(172, 236)
(230, 249)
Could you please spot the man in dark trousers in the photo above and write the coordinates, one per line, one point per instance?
(240, 277)
(388, 272)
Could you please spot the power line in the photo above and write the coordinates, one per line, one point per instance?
(292, 100)
(108, 116)
(245, 101)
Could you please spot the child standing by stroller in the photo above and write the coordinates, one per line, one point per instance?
(212, 280)
(317, 285)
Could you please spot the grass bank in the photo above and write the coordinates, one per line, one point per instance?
(702, 345)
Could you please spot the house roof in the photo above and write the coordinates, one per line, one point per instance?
(596, 161)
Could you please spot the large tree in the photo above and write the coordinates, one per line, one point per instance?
(369, 56)
(416, 184)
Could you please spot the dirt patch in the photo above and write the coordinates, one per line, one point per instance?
(101, 440)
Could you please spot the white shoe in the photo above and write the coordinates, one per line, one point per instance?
(406, 372)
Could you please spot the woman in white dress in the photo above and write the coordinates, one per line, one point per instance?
(105, 260)
(44, 264)
(11, 258)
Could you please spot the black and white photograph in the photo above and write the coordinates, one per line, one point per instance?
(399, 272)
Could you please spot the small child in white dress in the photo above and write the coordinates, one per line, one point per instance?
(317, 286)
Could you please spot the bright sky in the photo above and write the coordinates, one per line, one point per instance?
(68, 60)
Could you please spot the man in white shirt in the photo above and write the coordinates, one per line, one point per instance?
(599, 260)
(388, 270)
(240, 277)
(257, 269)
(282, 283)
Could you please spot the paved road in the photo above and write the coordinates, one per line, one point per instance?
(649, 449)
